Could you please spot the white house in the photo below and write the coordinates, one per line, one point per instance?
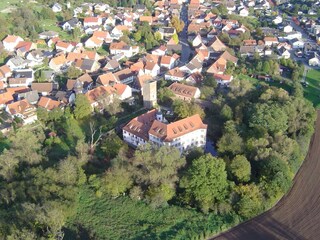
(93, 42)
(152, 68)
(152, 127)
(10, 42)
(277, 20)
(92, 21)
(288, 29)
(185, 92)
(314, 60)
(197, 41)
(244, 12)
(297, 44)
(223, 79)
(122, 47)
(23, 110)
(56, 7)
(123, 91)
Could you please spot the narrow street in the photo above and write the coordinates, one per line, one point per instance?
(183, 36)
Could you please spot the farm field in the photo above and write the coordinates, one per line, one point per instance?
(297, 215)
(312, 92)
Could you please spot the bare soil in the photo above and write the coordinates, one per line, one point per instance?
(297, 215)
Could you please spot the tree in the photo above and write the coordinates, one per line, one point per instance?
(73, 72)
(230, 143)
(266, 67)
(250, 200)
(184, 109)
(155, 166)
(157, 36)
(205, 182)
(8, 165)
(268, 117)
(177, 24)
(240, 168)
(137, 36)
(114, 107)
(82, 107)
(175, 38)
(111, 146)
(116, 181)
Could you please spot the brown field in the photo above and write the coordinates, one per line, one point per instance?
(297, 215)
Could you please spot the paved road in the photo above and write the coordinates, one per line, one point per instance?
(183, 36)
(297, 215)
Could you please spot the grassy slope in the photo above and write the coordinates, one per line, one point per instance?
(123, 218)
(312, 92)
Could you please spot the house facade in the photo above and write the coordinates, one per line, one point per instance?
(152, 127)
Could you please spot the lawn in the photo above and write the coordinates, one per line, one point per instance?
(8, 3)
(122, 218)
(312, 91)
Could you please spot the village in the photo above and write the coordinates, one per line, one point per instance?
(127, 52)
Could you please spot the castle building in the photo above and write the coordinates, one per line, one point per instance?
(152, 127)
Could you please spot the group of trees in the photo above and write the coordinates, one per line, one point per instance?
(146, 36)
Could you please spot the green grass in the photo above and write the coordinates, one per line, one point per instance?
(7, 3)
(312, 92)
(256, 82)
(122, 218)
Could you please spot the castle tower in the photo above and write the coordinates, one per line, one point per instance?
(149, 89)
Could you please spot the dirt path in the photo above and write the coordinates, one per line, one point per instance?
(297, 215)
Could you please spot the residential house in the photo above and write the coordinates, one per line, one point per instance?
(160, 51)
(56, 7)
(220, 65)
(21, 78)
(217, 45)
(71, 24)
(151, 127)
(58, 63)
(314, 60)
(175, 75)
(112, 66)
(10, 42)
(48, 35)
(244, 12)
(5, 98)
(24, 47)
(125, 76)
(169, 62)
(31, 96)
(44, 88)
(107, 79)
(123, 48)
(147, 19)
(122, 91)
(222, 79)
(93, 42)
(17, 63)
(195, 78)
(87, 65)
(64, 46)
(167, 32)
(22, 109)
(287, 29)
(277, 20)
(284, 53)
(92, 21)
(152, 68)
(5, 72)
(48, 103)
(184, 92)
(296, 43)
(270, 41)
(100, 96)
